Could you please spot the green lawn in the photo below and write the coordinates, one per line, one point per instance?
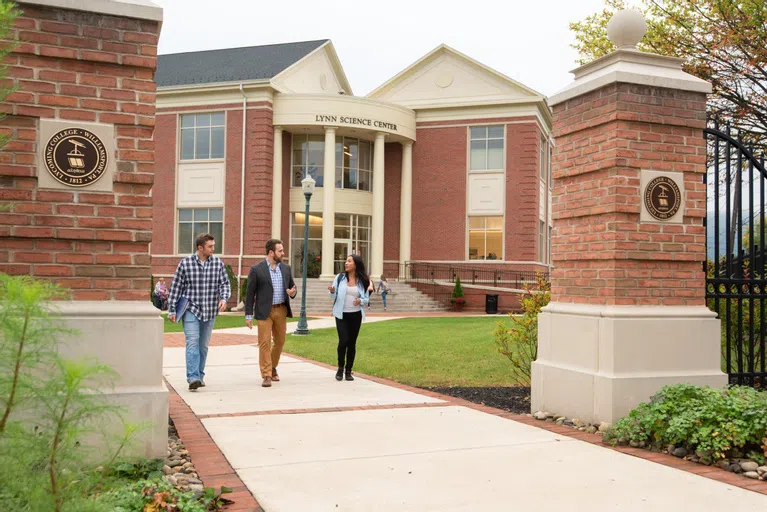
(222, 322)
(419, 351)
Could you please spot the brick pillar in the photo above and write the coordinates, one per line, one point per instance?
(78, 173)
(628, 308)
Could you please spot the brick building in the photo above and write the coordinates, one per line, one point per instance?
(446, 162)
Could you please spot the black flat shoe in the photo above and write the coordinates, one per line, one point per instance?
(349, 376)
(339, 375)
(194, 385)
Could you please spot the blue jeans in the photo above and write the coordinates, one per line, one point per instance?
(383, 296)
(197, 335)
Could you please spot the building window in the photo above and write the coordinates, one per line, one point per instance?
(193, 222)
(549, 167)
(354, 164)
(541, 241)
(549, 246)
(314, 263)
(485, 238)
(544, 153)
(308, 158)
(202, 136)
(486, 148)
(352, 236)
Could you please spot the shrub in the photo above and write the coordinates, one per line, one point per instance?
(243, 289)
(519, 341)
(710, 422)
(457, 292)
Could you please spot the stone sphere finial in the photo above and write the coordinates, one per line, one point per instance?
(626, 28)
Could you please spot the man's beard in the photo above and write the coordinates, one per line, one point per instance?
(277, 259)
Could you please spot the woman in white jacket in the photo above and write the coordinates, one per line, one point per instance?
(350, 292)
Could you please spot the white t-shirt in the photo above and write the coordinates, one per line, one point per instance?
(352, 292)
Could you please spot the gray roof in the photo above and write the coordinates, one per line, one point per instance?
(231, 64)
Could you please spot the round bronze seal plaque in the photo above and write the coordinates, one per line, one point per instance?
(662, 198)
(75, 157)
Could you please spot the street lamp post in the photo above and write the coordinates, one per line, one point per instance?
(307, 184)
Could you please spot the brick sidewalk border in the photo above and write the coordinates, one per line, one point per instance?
(211, 465)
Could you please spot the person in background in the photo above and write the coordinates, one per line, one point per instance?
(383, 289)
(161, 294)
(351, 292)
(201, 278)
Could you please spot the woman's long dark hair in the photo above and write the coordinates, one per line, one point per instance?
(362, 275)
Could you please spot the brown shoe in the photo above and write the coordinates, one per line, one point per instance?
(267, 382)
(275, 377)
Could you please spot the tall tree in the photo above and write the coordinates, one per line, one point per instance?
(722, 41)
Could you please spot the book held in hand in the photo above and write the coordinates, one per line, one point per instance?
(181, 306)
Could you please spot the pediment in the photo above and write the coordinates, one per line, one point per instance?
(445, 78)
(320, 72)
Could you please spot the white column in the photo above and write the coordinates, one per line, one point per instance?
(277, 184)
(329, 202)
(405, 201)
(377, 236)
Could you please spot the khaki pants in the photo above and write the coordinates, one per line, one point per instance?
(274, 326)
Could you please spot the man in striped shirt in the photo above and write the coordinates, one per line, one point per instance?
(201, 278)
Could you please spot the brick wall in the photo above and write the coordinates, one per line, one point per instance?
(82, 67)
(259, 150)
(439, 191)
(393, 187)
(439, 194)
(601, 253)
(522, 191)
(258, 183)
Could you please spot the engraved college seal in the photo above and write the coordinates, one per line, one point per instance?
(662, 198)
(75, 157)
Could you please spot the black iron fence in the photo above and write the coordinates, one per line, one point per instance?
(437, 279)
(736, 283)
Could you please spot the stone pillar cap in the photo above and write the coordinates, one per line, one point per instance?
(629, 65)
(137, 9)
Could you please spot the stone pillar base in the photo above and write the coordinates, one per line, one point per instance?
(596, 363)
(128, 336)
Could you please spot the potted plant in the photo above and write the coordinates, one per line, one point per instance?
(456, 297)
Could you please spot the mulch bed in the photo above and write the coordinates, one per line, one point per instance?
(512, 399)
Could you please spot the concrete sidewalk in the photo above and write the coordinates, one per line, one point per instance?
(310, 443)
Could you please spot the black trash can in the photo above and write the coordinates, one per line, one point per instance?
(491, 304)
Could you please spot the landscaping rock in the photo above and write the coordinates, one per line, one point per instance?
(171, 480)
(578, 423)
(680, 452)
(749, 466)
(604, 426)
(166, 470)
(633, 444)
(591, 429)
(761, 470)
(751, 474)
(735, 468)
(540, 415)
(723, 464)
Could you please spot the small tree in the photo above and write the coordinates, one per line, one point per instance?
(457, 295)
(519, 341)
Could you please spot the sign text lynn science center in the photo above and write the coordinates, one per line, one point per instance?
(357, 121)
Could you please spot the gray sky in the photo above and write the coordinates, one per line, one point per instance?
(527, 41)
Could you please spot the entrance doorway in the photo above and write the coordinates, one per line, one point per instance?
(341, 250)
